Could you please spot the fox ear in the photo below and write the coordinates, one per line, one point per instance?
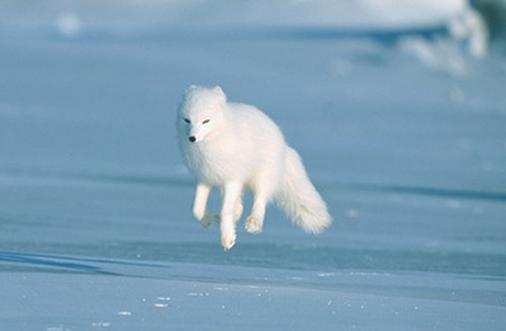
(218, 90)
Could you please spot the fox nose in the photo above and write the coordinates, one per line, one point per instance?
(192, 139)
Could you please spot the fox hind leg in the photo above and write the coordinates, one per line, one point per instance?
(255, 220)
(264, 188)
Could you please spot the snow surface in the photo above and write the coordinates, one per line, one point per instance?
(125, 14)
(95, 206)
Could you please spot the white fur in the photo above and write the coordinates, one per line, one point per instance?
(241, 148)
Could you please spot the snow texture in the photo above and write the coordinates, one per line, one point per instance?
(96, 230)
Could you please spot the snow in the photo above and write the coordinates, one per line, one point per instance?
(95, 210)
(69, 24)
(125, 14)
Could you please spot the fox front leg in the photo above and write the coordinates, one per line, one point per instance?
(200, 204)
(238, 210)
(231, 196)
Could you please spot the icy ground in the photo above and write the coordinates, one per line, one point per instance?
(95, 224)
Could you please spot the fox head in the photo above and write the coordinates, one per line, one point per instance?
(200, 113)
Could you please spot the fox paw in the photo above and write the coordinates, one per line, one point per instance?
(254, 225)
(228, 241)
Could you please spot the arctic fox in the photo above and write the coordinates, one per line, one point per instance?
(234, 147)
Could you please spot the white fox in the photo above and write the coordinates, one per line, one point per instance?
(234, 147)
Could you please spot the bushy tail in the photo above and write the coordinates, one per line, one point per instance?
(299, 198)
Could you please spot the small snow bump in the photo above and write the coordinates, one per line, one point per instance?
(124, 313)
(163, 298)
(295, 278)
(329, 302)
(374, 273)
(161, 305)
(221, 288)
(101, 324)
(326, 274)
(198, 294)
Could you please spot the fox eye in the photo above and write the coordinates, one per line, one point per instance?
(187, 120)
(206, 121)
